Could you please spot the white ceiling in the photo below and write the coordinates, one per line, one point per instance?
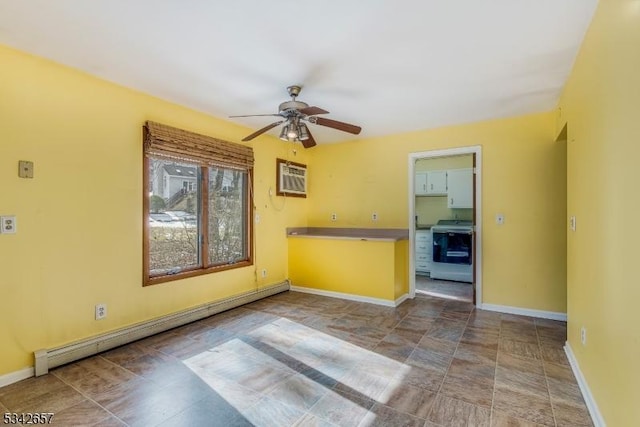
(388, 66)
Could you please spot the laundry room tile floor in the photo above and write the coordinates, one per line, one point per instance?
(444, 288)
(306, 360)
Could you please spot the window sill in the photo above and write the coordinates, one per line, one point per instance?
(148, 281)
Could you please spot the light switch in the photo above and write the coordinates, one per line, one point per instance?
(8, 224)
(25, 169)
(499, 219)
(572, 223)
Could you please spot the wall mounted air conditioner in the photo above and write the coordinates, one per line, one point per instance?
(292, 178)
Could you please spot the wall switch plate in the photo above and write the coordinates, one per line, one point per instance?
(8, 224)
(572, 222)
(101, 311)
(499, 219)
(25, 169)
(257, 218)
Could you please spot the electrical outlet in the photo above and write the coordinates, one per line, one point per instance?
(374, 216)
(8, 224)
(334, 216)
(25, 169)
(101, 311)
(572, 223)
(264, 272)
(583, 335)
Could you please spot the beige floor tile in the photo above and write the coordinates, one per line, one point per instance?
(532, 366)
(85, 413)
(298, 391)
(110, 422)
(554, 355)
(483, 336)
(500, 419)
(470, 382)
(310, 420)
(408, 399)
(423, 378)
(519, 404)
(13, 396)
(520, 349)
(571, 415)
(446, 330)
(272, 413)
(384, 416)
(342, 409)
(453, 412)
(477, 353)
(486, 320)
(362, 383)
(519, 380)
(518, 332)
(389, 347)
(563, 386)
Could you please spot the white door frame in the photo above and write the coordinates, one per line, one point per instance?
(477, 150)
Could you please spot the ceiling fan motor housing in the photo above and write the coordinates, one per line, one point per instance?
(292, 105)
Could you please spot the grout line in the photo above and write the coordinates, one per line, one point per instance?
(546, 378)
(451, 361)
(495, 377)
(88, 398)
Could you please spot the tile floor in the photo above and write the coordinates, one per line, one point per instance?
(444, 288)
(298, 359)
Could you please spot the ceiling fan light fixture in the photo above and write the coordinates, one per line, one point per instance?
(292, 132)
(284, 132)
(304, 132)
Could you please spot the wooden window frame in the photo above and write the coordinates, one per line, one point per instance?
(203, 183)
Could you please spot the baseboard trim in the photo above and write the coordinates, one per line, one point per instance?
(14, 377)
(525, 312)
(592, 406)
(350, 297)
(402, 299)
(46, 359)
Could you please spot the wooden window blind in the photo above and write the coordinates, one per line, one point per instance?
(177, 144)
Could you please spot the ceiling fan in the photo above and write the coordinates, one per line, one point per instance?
(294, 114)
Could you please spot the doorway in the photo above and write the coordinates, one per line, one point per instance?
(449, 209)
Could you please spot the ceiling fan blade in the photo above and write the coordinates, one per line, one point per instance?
(256, 115)
(261, 131)
(345, 127)
(309, 142)
(312, 111)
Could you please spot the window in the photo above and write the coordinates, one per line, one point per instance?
(197, 204)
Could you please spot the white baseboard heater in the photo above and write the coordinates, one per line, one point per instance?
(46, 359)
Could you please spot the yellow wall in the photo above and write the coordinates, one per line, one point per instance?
(401, 272)
(376, 269)
(601, 107)
(79, 239)
(524, 177)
